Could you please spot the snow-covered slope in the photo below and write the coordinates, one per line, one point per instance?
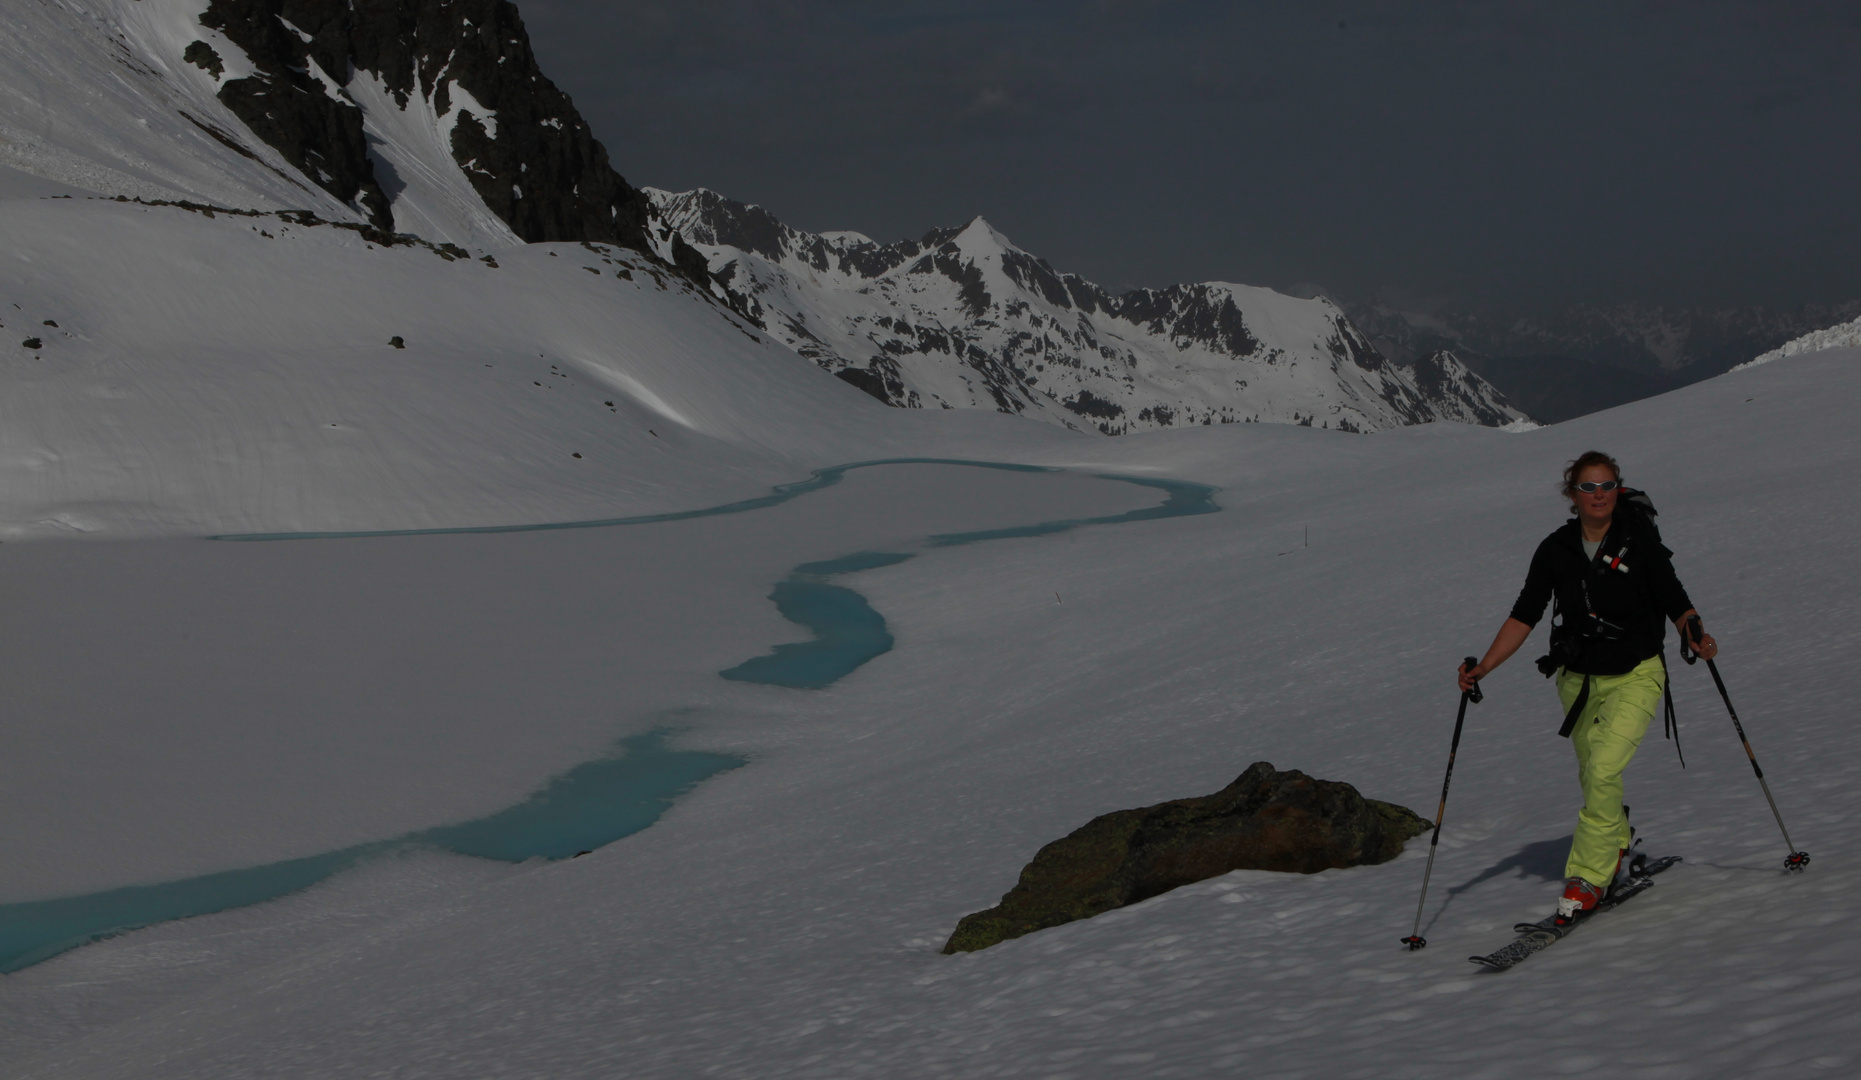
(964, 319)
(176, 707)
(168, 370)
(432, 118)
(97, 96)
(784, 919)
(422, 116)
(1843, 336)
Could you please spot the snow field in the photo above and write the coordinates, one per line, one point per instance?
(206, 377)
(253, 702)
(783, 919)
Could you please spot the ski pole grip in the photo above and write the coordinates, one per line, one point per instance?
(1474, 694)
(1689, 642)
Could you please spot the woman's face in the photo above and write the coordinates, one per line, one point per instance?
(1596, 505)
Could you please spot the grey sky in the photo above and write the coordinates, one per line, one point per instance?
(1478, 152)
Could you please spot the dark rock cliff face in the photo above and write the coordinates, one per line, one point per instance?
(1265, 820)
(289, 110)
(542, 172)
(751, 228)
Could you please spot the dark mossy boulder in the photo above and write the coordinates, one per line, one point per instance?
(1265, 820)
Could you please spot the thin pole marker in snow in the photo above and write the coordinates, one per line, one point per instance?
(1415, 940)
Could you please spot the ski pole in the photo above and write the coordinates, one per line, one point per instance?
(1796, 861)
(1415, 940)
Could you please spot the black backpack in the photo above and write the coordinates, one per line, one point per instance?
(1569, 640)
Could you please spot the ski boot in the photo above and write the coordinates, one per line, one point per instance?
(1579, 896)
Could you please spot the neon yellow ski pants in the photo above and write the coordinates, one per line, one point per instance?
(1606, 737)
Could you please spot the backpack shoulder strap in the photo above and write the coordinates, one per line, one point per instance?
(1640, 510)
(1576, 710)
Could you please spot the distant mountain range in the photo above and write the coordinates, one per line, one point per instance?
(432, 117)
(1586, 358)
(962, 318)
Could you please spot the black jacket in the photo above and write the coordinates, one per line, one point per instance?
(1619, 603)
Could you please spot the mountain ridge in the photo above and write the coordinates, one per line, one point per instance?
(431, 117)
(963, 318)
(1583, 358)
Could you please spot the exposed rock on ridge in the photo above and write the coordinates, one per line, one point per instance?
(1442, 377)
(289, 109)
(518, 139)
(1265, 820)
(962, 318)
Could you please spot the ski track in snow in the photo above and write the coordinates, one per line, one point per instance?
(783, 920)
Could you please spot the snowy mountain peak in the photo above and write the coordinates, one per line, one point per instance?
(981, 238)
(963, 318)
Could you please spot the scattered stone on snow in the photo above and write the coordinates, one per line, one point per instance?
(202, 56)
(397, 342)
(1264, 820)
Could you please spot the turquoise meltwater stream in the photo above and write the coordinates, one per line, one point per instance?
(597, 802)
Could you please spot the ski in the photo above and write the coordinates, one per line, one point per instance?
(1538, 936)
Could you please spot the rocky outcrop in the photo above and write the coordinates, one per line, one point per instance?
(1265, 820)
(518, 139)
(962, 318)
(288, 108)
